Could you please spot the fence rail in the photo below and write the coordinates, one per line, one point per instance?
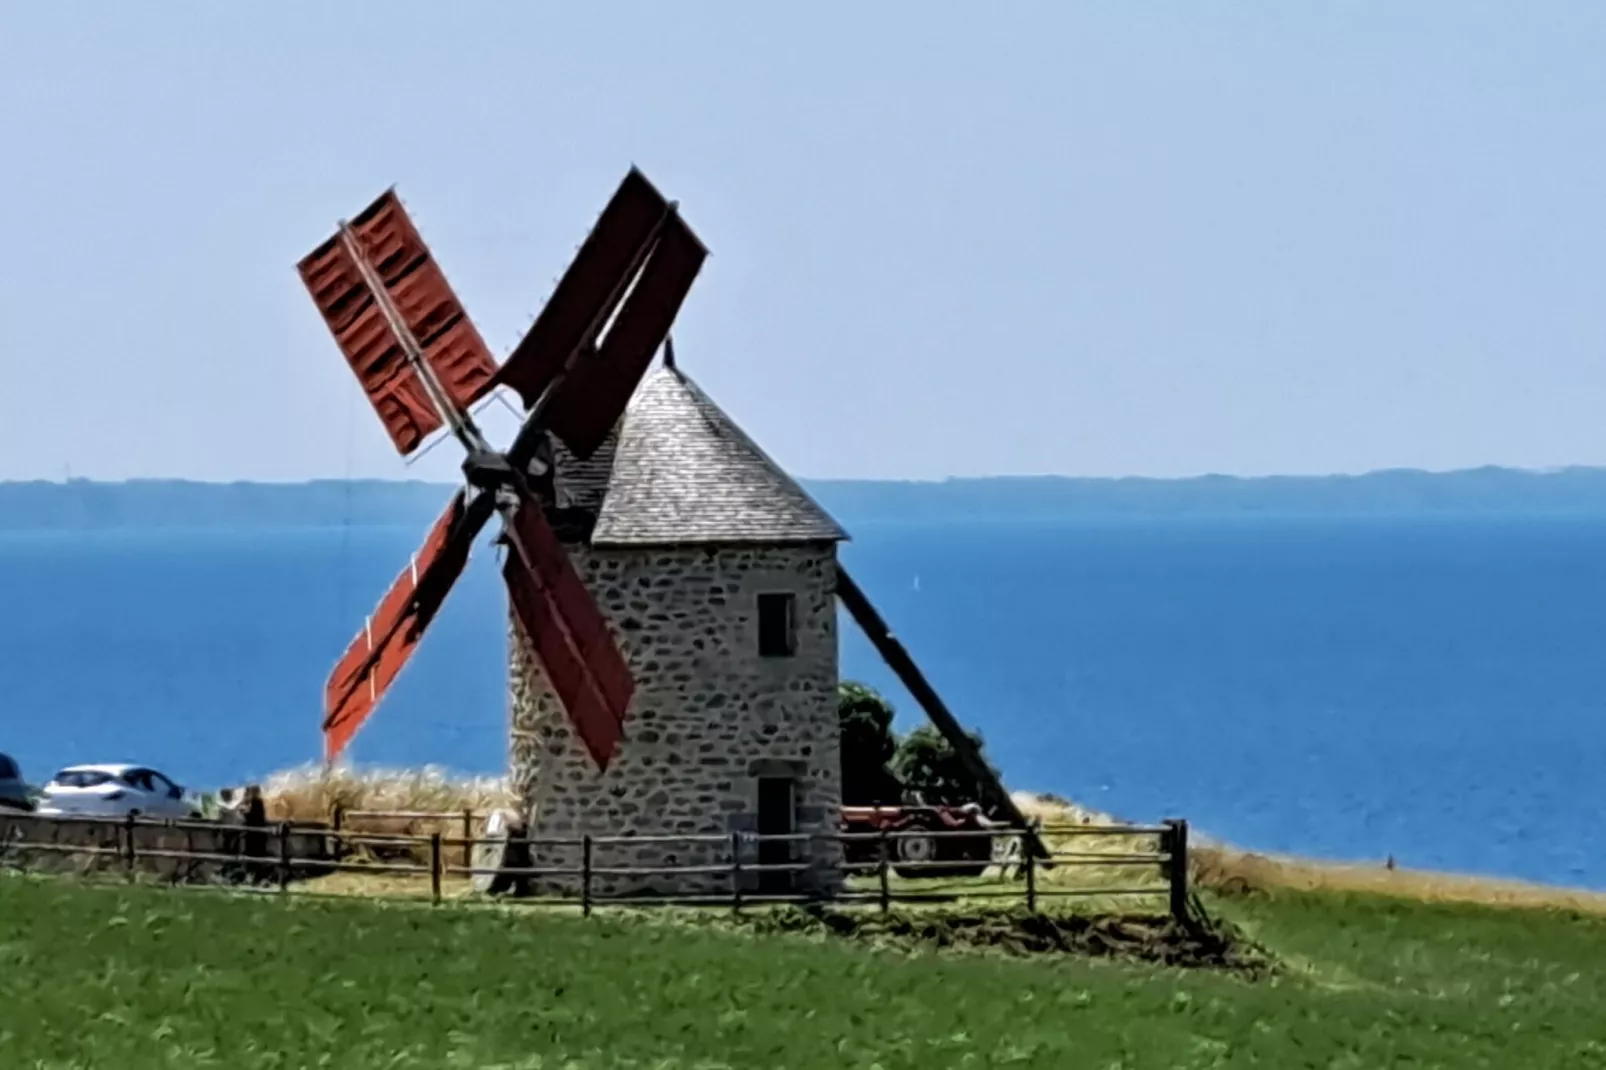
(284, 853)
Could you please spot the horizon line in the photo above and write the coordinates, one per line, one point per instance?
(931, 481)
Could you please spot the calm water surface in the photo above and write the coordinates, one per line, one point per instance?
(1428, 688)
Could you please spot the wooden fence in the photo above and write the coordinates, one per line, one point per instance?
(209, 852)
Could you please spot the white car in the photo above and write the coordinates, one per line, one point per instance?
(114, 791)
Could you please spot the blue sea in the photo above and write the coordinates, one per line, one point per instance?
(1427, 688)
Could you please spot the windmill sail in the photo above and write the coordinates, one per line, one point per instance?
(589, 401)
(423, 364)
(376, 656)
(429, 309)
(590, 291)
(566, 631)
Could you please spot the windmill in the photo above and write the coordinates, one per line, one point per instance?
(423, 365)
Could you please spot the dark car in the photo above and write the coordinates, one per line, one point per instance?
(13, 792)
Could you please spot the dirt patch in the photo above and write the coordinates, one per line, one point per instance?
(1206, 944)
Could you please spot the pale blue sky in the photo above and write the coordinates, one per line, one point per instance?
(1116, 238)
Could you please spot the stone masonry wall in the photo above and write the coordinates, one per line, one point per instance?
(708, 718)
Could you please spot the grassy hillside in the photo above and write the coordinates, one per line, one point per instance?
(132, 977)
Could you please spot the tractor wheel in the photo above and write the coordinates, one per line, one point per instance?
(914, 853)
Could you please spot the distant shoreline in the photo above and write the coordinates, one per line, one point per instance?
(1479, 492)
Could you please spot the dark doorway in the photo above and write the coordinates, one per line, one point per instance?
(777, 816)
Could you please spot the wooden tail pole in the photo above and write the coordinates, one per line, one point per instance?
(899, 661)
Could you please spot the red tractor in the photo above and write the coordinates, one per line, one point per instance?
(915, 855)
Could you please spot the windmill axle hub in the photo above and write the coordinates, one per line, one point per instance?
(487, 469)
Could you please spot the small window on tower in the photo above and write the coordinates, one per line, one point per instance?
(777, 625)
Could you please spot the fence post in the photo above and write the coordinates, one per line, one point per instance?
(163, 844)
(189, 848)
(435, 867)
(284, 856)
(337, 819)
(1176, 847)
(585, 876)
(881, 873)
(128, 845)
(736, 872)
(468, 839)
(1026, 847)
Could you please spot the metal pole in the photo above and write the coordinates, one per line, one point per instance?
(736, 872)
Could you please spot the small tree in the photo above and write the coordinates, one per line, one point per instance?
(929, 769)
(868, 744)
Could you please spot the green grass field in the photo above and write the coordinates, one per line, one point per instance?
(138, 977)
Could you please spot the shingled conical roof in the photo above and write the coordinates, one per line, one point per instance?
(683, 472)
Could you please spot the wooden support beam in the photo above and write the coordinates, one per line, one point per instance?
(909, 674)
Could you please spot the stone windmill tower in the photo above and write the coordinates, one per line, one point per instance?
(717, 573)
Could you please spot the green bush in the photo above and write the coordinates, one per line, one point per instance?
(868, 745)
(880, 768)
(930, 771)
